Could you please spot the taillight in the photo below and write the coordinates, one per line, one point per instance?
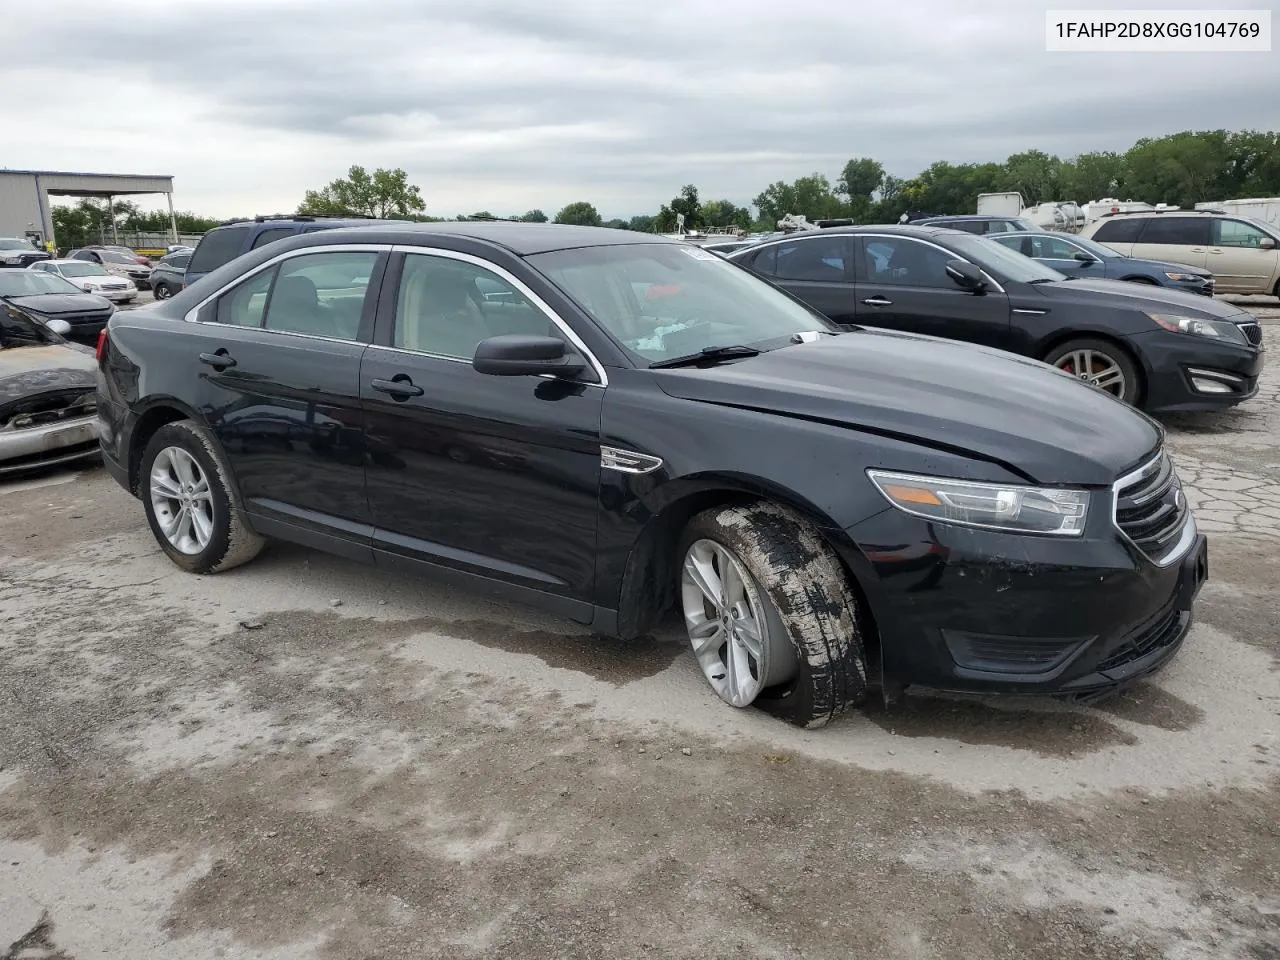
(102, 344)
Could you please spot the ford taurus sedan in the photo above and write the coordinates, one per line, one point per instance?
(1162, 350)
(611, 425)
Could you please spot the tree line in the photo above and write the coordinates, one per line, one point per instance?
(1182, 168)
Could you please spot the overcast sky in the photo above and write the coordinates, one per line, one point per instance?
(511, 104)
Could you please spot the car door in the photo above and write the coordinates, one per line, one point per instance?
(488, 475)
(279, 354)
(902, 284)
(1238, 258)
(1174, 239)
(817, 268)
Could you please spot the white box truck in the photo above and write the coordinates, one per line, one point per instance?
(1000, 204)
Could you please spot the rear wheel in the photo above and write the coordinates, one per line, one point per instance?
(770, 614)
(188, 502)
(1101, 363)
(162, 291)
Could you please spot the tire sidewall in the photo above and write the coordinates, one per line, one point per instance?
(187, 437)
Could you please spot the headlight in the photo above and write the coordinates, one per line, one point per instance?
(1184, 277)
(1215, 329)
(13, 259)
(996, 506)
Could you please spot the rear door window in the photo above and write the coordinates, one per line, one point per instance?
(819, 259)
(321, 294)
(1176, 231)
(217, 247)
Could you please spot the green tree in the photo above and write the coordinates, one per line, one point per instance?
(723, 214)
(686, 203)
(1092, 176)
(617, 223)
(811, 197)
(860, 179)
(581, 213)
(1035, 175)
(533, 216)
(382, 194)
(1183, 168)
(642, 224)
(947, 188)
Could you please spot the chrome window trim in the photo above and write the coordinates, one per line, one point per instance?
(190, 315)
(1189, 529)
(559, 322)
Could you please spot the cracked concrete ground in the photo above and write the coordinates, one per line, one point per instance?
(232, 766)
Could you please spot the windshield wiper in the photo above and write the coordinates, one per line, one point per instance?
(1043, 280)
(707, 355)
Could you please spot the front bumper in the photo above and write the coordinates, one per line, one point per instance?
(117, 296)
(971, 610)
(1177, 366)
(48, 445)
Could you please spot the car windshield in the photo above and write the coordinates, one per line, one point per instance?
(19, 330)
(82, 268)
(668, 300)
(1097, 249)
(30, 283)
(115, 256)
(15, 243)
(1001, 262)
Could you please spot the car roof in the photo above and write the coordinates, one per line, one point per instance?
(972, 216)
(61, 260)
(522, 239)
(904, 229)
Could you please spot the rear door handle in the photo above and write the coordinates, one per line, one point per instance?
(878, 302)
(400, 387)
(1197, 249)
(1217, 251)
(219, 360)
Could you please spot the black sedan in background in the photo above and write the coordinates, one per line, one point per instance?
(1078, 257)
(47, 296)
(1162, 350)
(611, 424)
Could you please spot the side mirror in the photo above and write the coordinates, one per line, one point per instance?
(60, 327)
(1267, 243)
(1085, 258)
(522, 355)
(966, 275)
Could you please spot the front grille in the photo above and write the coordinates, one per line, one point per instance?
(1151, 509)
(1159, 632)
(1252, 332)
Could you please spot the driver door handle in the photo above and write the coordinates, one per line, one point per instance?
(877, 302)
(401, 388)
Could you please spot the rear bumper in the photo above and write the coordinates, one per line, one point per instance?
(36, 448)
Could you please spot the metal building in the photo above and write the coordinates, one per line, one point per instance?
(24, 197)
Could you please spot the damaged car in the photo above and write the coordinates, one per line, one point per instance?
(828, 510)
(48, 402)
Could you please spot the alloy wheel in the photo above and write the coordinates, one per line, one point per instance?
(1097, 368)
(182, 500)
(724, 613)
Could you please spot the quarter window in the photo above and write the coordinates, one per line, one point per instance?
(275, 233)
(218, 246)
(897, 261)
(1119, 230)
(446, 307)
(1234, 233)
(819, 259)
(1176, 231)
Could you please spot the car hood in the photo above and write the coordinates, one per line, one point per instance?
(53, 304)
(1163, 266)
(25, 371)
(992, 405)
(1139, 296)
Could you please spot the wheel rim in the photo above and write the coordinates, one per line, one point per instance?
(1096, 368)
(182, 500)
(162, 292)
(735, 647)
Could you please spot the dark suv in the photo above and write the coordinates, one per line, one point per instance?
(229, 240)
(610, 424)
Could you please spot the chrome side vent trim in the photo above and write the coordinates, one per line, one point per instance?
(628, 461)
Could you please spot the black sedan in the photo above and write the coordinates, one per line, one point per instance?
(47, 296)
(168, 273)
(1163, 350)
(610, 424)
(1078, 257)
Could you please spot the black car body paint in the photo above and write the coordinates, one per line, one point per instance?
(569, 493)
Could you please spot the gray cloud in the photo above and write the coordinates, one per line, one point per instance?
(507, 104)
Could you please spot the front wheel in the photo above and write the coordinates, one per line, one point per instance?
(1102, 364)
(162, 291)
(770, 614)
(188, 502)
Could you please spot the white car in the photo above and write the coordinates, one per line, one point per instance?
(91, 278)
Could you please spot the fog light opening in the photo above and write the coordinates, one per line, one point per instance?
(1205, 385)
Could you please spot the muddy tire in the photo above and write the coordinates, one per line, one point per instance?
(807, 661)
(187, 499)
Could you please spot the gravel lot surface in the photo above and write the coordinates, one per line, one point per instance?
(306, 757)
